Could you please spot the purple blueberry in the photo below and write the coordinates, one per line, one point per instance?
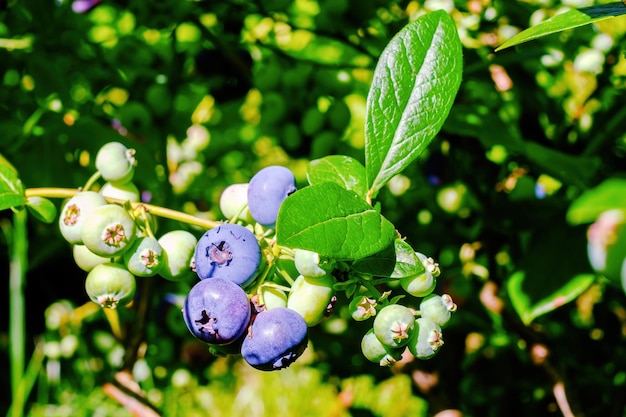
(228, 251)
(276, 339)
(217, 311)
(267, 189)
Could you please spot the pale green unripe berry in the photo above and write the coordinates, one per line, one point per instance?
(110, 285)
(110, 230)
(145, 257)
(115, 162)
(438, 308)
(74, 212)
(394, 324)
(234, 202)
(426, 340)
(126, 192)
(423, 284)
(86, 259)
(375, 351)
(273, 297)
(311, 297)
(309, 264)
(179, 247)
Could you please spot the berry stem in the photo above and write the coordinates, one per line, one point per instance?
(92, 180)
(152, 209)
(114, 321)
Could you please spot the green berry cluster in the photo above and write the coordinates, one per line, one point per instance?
(114, 240)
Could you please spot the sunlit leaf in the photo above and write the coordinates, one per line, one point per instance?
(570, 19)
(415, 83)
(332, 221)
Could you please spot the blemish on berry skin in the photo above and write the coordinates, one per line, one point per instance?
(220, 254)
(207, 324)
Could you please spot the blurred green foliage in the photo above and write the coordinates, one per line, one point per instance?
(209, 92)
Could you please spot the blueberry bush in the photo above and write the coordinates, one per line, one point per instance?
(313, 207)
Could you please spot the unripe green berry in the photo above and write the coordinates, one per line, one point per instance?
(273, 297)
(74, 212)
(122, 191)
(145, 257)
(178, 251)
(234, 202)
(426, 340)
(423, 284)
(376, 352)
(310, 297)
(110, 285)
(394, 325)
(115, 162)
(86, 259)
(109, 230)
(438, 308)
(308, 263)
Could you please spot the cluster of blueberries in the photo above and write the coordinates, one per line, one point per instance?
(243, 302)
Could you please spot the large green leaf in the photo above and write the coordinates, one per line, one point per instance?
(415, 82)
(11, 189)
(332, 221)
(340, 169)
(610, 194)
(554, 272)
(570, 19)
(396, 261)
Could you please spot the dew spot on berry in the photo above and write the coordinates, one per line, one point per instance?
(220, 254)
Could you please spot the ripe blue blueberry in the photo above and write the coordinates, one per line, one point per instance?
(228, 251)
(276, 339)
(217, 311)
(267, 190)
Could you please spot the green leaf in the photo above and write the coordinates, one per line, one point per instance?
(42, 209)
(554, 272)
(11, 189)
(567, 20)
(397, 261)
(528, 308)
(610, 194)
(415, 83)
(340, 169)
(332, 221)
